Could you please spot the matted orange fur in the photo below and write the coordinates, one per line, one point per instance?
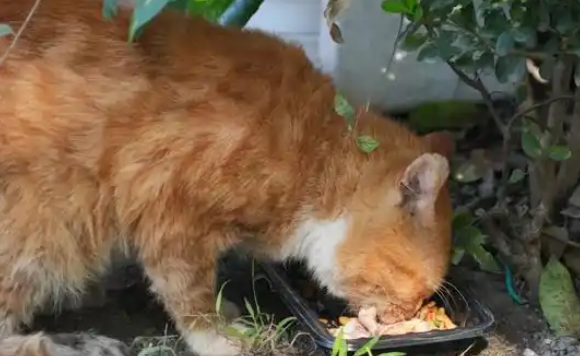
(193, 140)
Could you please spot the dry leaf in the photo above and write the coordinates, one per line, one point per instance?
(335, 8)
(335, 33)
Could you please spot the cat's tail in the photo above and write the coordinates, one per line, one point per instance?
(74, 344)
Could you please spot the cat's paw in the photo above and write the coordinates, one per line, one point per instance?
(212, 343)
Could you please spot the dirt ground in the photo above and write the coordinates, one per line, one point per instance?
(132, 313)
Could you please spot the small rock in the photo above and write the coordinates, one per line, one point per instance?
(528, 352)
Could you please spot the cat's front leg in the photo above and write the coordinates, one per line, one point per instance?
(183, 276)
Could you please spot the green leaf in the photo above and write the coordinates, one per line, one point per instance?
(367, 144)
(412, 42)
(504, 44)
(543, 22)
(516, 176)
(239, 12)
(394, 6)
(465, 17)
(558, 299)
(249, 308)
(559, 153)
(458, 253)
(444, 115)
(395, 353)
(209, 10)
(417, 13)
(465, 43)
(525, 35)
(110, 8)
(483, 60)
(469, 239)
(494, 23)
(465, 63)
(145, 11)
(218, 301)
(565, 22)
(531, 144)
(462, 219)
(439, 4)
(339, 347)
(5, 30)
(428, 51)
(409, 4)
(469, 236)
(344, 109)
(283, 325)
(366, 348)
(510, 68)
(233, 332)
(179, 5)
(517, 14)
(445, 44)
(484, 259)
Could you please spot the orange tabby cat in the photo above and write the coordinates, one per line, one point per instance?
(193, 140)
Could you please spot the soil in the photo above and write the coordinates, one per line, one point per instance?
(131, 312)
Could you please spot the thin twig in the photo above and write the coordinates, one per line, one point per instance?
(545, 168)
(561, 239)
(569, 170)
(464, 353)
(507, 136)
(477, 84)
(525, 112)
(20, 31)
(395, 45)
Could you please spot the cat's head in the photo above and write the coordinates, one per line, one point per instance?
(398, 247)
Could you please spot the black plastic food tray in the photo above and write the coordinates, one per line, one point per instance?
(472, 317)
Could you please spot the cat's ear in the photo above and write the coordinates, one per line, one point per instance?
(441, 142)
(422, 180)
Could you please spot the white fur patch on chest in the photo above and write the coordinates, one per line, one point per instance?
(316, 242)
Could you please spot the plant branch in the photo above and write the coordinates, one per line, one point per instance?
(506, 143)
(569, 171)
(491, 48)
(545, 168)
(561, 239)
(20, 31)
(526, 111)
(478, 85)
(515, 252)
(523, 255)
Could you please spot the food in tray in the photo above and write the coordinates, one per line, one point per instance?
(429, 317)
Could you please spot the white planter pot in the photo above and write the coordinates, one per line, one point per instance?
(358, 65)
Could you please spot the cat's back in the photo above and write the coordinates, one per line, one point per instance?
(77, 43)
(73, 66)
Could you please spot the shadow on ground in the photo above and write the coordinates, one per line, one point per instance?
(132, 312)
